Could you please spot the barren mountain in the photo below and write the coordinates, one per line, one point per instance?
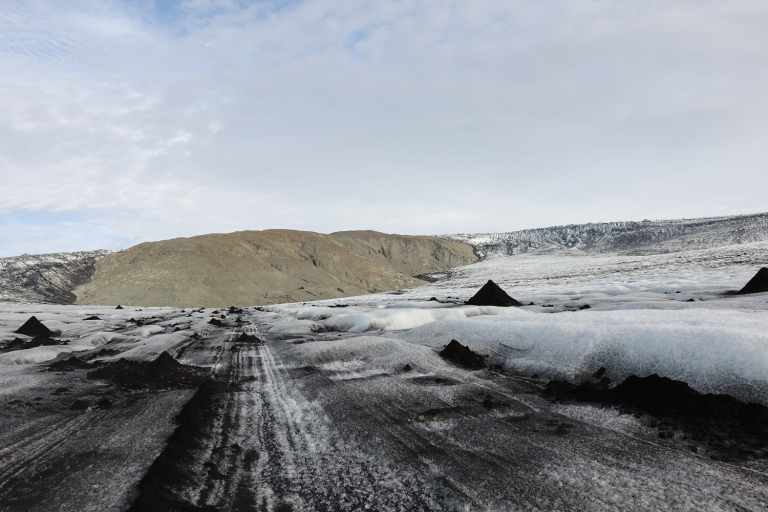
(266, 267)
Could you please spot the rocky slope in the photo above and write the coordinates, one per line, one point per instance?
(46, 278)
(631, 238)
(266, 267)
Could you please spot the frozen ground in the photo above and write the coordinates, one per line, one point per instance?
(324, 415)
(640, 319)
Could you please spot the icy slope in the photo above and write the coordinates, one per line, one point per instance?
(46, 278)
(671, 314)
(645, 237)
(716, 350)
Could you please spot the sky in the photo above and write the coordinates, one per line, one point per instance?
(129, 121)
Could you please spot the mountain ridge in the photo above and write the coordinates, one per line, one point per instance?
(58, 278)
(266, 267)
(46, 278)
(629, 237)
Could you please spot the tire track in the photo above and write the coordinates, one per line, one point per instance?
(71, 459)
(268, 448)
(305, 465)
(16, 457)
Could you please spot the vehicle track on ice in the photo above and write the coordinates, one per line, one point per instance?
(271, 449)
(82, 461)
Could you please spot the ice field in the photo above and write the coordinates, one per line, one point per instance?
(324, 414)
(639, 321)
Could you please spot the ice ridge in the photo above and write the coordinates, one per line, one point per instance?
(632, 238)
(46, 278)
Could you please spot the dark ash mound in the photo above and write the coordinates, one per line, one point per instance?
(248, 338)
(491, 295)
(79, 405)
(758, 283)
(105, 352)
(70, 364)
(171, 473)
(162, 373)
(462, 356)
(34, 327)
(38, 341)
(216, 322)
(732, 429)
(104, 403)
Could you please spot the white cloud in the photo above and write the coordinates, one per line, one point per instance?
(414, 117)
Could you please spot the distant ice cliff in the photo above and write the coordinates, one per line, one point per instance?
(46, 278)
(635, 238)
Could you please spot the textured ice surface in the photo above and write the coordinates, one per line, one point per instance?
(714, 351)
(722, 351)
(637, 322)
(83, 335)
(389, 317)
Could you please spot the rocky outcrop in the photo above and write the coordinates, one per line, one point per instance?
(267, 267)
(758, 283)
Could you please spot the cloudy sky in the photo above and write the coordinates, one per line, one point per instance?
(126, 121)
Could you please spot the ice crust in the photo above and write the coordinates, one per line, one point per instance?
(45, 353)
(717, 351)
(637, 324)
(714, 351)
(389, 317)
(147, 330)
(142, 342)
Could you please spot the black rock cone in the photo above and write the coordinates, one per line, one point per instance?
(758, 284)
(462, 356)
(249, 338)
(33, 327)
(166, 361)
(491, 295)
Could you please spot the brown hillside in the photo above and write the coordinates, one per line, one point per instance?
(266, 267)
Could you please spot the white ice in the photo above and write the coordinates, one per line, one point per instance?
(637, 324)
